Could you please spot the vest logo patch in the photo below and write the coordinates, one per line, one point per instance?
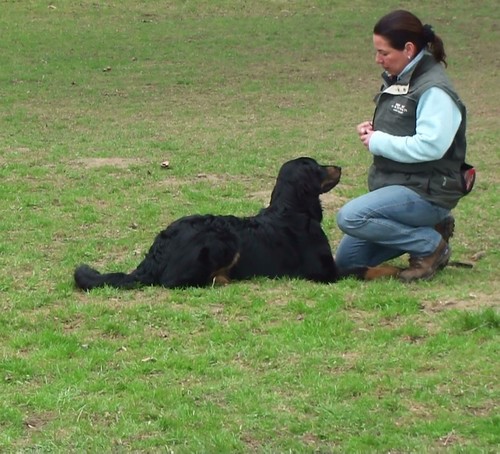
(399, 108)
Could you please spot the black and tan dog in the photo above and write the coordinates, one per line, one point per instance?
(284, 239)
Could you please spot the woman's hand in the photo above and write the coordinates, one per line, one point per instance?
(365, 131)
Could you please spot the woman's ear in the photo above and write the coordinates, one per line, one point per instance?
(410, 50)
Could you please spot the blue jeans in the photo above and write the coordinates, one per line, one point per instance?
(385, 224)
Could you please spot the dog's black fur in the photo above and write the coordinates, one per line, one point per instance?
(284, 239)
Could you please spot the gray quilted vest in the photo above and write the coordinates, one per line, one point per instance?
(438, 181)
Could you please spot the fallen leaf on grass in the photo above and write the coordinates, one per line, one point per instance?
(478, 256)
(149, 359)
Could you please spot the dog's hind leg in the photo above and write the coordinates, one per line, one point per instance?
(198, 267)
(221, 276)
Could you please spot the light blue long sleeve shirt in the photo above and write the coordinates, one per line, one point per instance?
(438, 119)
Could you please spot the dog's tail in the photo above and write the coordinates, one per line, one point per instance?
(87, 278)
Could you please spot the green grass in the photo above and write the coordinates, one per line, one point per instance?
(95, 96)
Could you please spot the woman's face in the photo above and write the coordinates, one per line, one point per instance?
(392, 60)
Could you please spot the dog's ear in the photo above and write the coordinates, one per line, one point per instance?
(310, 188)
(310, 179)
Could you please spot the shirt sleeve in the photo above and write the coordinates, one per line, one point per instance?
(438, 120)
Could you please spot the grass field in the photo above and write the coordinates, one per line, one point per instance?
(95, 96)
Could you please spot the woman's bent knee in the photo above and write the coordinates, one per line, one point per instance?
(348, 220)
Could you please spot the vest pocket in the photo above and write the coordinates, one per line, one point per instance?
(446, 187)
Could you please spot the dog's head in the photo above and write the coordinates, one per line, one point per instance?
(300, 183)
(307, 174)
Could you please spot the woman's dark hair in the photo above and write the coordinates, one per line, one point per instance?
(400, 27)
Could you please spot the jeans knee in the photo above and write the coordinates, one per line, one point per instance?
(346, 220)
(341, 219)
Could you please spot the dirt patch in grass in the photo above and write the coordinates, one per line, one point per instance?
(94, 163)
(39, 420)
(476, 301)
(450, 439)
(332, 202)
(485, 410)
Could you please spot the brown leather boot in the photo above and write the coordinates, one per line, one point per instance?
(425, 267)
(446, 227)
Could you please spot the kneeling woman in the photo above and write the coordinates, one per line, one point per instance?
(417, 139)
